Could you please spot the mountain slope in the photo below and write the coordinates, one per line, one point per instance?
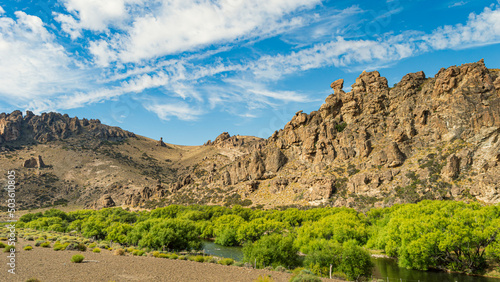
(424, 138)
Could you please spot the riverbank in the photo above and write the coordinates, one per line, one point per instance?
(46, 264)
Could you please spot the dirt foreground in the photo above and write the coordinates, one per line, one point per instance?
(47, 265)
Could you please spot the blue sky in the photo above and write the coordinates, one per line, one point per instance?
(187, 70)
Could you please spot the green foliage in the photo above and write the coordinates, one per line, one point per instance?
(304, 275)
(96, 250)
(431, 234)
(77, 258)
(28, 248)
(355, 261)
(341, 227)
(263, 278)
(274, 249)
(341, 126)
(225, 229)
(117, 232)
(174, 234)
(453, 235)
(45, 244)
(60, 247)
(8, 249)
(226, 261)
(197, 258)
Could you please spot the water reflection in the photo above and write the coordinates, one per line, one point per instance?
(386, 270)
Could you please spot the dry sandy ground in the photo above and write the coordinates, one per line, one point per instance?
(48, 265)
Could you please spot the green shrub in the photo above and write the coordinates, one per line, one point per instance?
(263, 278)
(77, 258)
(304, 275)
(76, 247)
(92, 245)
(39, 242)
(274, 249)
(341, 126)
(164, 256)
(174, 256)
(199, 259)
(156, 254)
(207, 259)
(182, 257)
(60, 247)
(28, 248)
(2, 245)
(226, 261)
(29, 238)
(33, 280)
(239, 263)
(45, 245)
(138, 253)
(96, 250)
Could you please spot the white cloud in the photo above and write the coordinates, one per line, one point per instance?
(482, 29)
(2, 11)
(33, 64)
(180, 110)
(176, 26)
(94, 15)
(457, 4)
(339, 53)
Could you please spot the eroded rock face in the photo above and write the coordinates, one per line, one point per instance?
(53, 126)
(424, 138)
(34, 163)
(106, 201)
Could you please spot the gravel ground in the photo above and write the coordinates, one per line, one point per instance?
(48, 265)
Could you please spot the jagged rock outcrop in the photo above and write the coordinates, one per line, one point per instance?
(34, 163)
(161, 143)
(424, 138)
(53, 126)
(106, 201)
(420, 139)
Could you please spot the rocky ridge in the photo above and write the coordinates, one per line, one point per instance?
(424, 138)
(30, 128)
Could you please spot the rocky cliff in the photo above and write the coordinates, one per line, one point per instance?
(424, 138)
(18, 129)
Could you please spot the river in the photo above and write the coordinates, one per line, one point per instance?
(385, 268)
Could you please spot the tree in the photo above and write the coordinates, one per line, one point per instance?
(355, 261)
(274, 249)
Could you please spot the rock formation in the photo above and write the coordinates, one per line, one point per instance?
(423, 137)
(53, 126)
(34, 163)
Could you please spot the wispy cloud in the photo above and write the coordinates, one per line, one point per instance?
(172, 27)
(457, 4)
(181, 111)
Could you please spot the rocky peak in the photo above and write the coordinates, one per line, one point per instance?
(53, 126)
(376, 134)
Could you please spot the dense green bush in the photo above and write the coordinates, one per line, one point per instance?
(430, 234)
(77, 258)
(274, 249)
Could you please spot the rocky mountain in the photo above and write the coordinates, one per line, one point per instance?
(29, 129)
(424, 138)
